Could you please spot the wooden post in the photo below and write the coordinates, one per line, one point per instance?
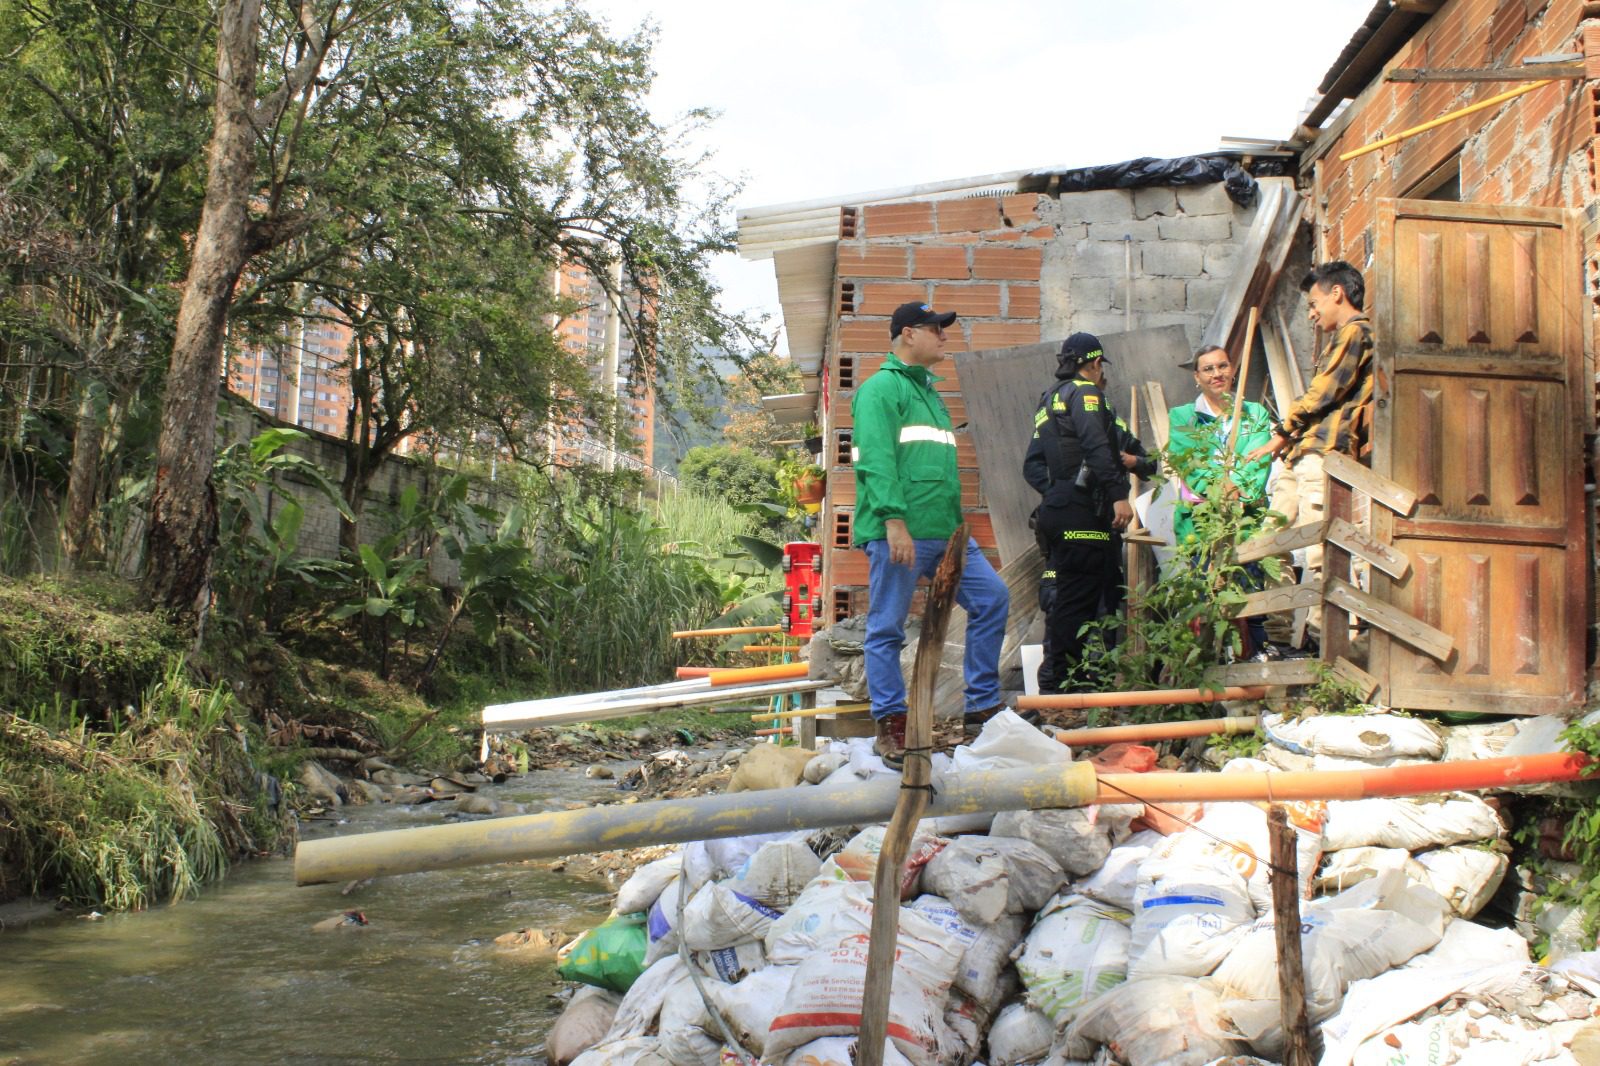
(805, 724)
(1286, 920)
(1238, 392)
(1135, 569)
(1335, 566)
(916, 777)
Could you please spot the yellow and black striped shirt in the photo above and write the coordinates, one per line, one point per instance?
(1335, 412)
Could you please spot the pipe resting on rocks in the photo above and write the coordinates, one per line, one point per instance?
(548, 836)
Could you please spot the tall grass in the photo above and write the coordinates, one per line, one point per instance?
(124, 818)
(691, 518)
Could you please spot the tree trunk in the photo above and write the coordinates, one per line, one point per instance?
(183, 507)
(353, 487)
(83, 482)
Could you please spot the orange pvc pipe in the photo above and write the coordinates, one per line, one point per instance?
(781, 731)
(1114, 734)
(732, 631)
(1155, 697)
(1467, 775)
(754, 675)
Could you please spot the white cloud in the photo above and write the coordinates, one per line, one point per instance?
(827, 98)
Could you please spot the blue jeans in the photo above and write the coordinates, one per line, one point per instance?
(981, 593)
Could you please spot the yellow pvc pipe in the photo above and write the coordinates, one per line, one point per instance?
(1449, 116)
(813, 712)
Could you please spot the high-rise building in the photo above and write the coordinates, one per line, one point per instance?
(298, 375)
(597, 334)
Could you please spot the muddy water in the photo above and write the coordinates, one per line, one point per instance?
(239, 977)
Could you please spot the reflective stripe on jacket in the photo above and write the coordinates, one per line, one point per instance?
(904, 453)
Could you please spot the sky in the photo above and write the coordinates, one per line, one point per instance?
(820, 98)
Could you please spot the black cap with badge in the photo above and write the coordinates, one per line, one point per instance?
(1082, 348)
(917, 313)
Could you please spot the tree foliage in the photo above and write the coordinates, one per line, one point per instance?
(737, 475)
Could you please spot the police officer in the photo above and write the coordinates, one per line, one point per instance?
(1074, 463)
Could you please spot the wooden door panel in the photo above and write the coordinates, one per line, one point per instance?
(1479, 409)
(1483, 449)
(1502, 604)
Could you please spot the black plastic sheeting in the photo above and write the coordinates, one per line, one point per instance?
(1138, 173)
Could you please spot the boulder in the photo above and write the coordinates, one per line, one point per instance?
(321, 785)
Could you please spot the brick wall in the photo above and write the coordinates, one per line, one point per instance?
(1017, 269)
(1533, 150)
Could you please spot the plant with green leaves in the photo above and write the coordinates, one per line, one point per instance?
(388, 581)
(1185, 622)
(260, 519)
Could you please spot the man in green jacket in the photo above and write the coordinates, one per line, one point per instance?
(1197, 445)
(908, 502)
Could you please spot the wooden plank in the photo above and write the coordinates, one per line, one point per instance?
(1359, 543)
(1284, 598)
(1528, 73)
(1392, 620)
(1339, 502)
(1399, 499)
(1278, 373)
(851, 726)
(1364, 682)
(1297, 380)
(1285, 673)
(1236, 292)
(1279, 542)
(1160, 425)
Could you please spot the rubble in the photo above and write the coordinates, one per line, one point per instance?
(1083, 936)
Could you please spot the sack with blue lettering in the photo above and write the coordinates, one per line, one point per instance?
(719, 917)
(1192, 904)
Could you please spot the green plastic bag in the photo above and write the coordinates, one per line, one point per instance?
(611, 955)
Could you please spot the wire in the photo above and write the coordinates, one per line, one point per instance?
(728, 1038)
(1241, 849)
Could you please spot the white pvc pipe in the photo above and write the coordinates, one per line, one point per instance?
(514, 717)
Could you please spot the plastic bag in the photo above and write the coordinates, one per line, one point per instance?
(733, 964)
(639, 892)
(750, 1006)
(985, 949)
(582, 1025)
(1466, 876)
(1006, 742)
(1148, 170)
(1158, 1021)
(712, 860)
(858, 861)
(1356, 736)
(767, 766)
(1412, 823)
(985, 877)
(793, 937)
(776, 873)
(1077, 838)
(1020, 1034)
(1191, 905)
(719, 917)
(825, 998)
(689, 1046)
(633, 1051)
(1075, 952)
(639, 1009)
(611, 955)
(1117, 880)
(839, 1051)
(1342, 869)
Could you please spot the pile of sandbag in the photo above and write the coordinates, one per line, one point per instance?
(1110, 934)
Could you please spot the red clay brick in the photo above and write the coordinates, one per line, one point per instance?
(1020, 263)
(1003, 334)
(975, 215)
(1021, 208)
(897, 220)
(864, 335)
(1022, 301)
(967, 299)
(939, 261)
(881, 298)
(1042, 233)
(862, 260)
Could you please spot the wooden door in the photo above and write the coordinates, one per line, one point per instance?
(1481, 410)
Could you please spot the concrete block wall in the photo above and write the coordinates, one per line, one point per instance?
(1163, 254)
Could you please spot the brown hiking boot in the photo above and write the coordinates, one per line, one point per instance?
(890, 746)
(972, 722)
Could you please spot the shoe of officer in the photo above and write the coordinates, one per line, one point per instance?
(890, 744)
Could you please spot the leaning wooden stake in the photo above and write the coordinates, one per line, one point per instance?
(916, 779)
(1286, 920)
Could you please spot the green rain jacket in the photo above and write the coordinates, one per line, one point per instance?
(904, 452)
(1196, 440)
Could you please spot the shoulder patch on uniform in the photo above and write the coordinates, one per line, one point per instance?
(1091, 402)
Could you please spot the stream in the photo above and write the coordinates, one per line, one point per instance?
(238, 976)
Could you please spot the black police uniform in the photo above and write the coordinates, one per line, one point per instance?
(1073, 462)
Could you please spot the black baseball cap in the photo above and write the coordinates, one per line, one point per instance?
(917, 313)
(1082, 348)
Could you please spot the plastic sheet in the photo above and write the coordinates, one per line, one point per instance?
(1148, 170)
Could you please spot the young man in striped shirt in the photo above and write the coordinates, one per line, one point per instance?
(1335, 412)
(908, 502)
